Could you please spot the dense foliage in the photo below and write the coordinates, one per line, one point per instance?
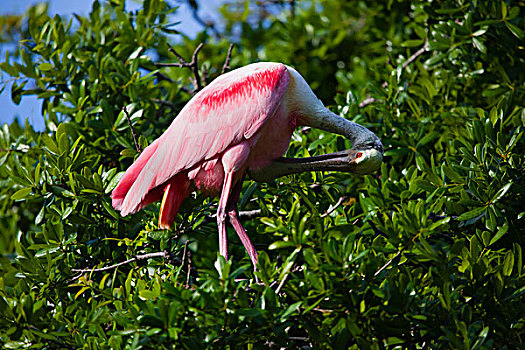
(425, 254)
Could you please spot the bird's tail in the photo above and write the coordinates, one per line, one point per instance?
(121, 191)
(172, 192)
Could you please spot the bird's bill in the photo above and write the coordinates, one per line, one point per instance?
(359, 161)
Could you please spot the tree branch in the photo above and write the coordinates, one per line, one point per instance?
(388, 263)
(193, 65)
(280, 286)
(226, 66)
(161, 76)
(163, 254)
(182, 61)
(132, 131)
(332, 209)
(250, 214)
(189, 264)
(416, 54)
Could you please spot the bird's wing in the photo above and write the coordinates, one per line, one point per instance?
(229, 110)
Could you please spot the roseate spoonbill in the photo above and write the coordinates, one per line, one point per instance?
(240, 123)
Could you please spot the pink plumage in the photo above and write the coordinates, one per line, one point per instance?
(242, 121)
(230, 111)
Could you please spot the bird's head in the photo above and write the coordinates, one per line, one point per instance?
(366, 157)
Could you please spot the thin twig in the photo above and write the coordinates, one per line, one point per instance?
(250, 214)
(289, 269)
(299, 338)
(184, 253)
(132, 131)
(278, 290)
(388, 263)
(324, 311)
(332, 209)
(163, 254)
(193, 65)
(226, 66)
(179, 57)
(163, 64)
(161, 76)
(189, 270)
(416, 54)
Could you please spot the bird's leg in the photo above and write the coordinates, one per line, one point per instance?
(221, 214)
(233, 213)
(176, 190)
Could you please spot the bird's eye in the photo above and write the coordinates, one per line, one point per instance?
(358, 155)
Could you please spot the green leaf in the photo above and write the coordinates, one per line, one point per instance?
(223, 267)
(425, 185)
(515, 30)
(478, 44)
(292, 309)
(6, 67)
(49, 143)
(114, 182)
(431, 136)
(480, 31)
(45, 66)
(63, 143)
(109, 209)
(3, 158)
(471, 214)
(490, 219)
(152, 321)
(128, 153)
(452, 174)
(281, 245)
(40, 216)
(21, 194)
(412, 43)
(249, 313)
(508, 263)
(501, 232)
(448, 11)
(501, 193)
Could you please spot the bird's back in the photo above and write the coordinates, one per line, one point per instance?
(228, 111)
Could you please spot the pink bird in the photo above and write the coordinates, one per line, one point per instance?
(240, 123)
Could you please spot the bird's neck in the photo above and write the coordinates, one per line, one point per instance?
(324, 119)
(312, 112)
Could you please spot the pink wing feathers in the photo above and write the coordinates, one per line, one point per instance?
(229, 110)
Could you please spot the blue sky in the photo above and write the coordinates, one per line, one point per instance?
(29, 107)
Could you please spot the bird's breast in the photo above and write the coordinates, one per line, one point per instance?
(273, 138)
